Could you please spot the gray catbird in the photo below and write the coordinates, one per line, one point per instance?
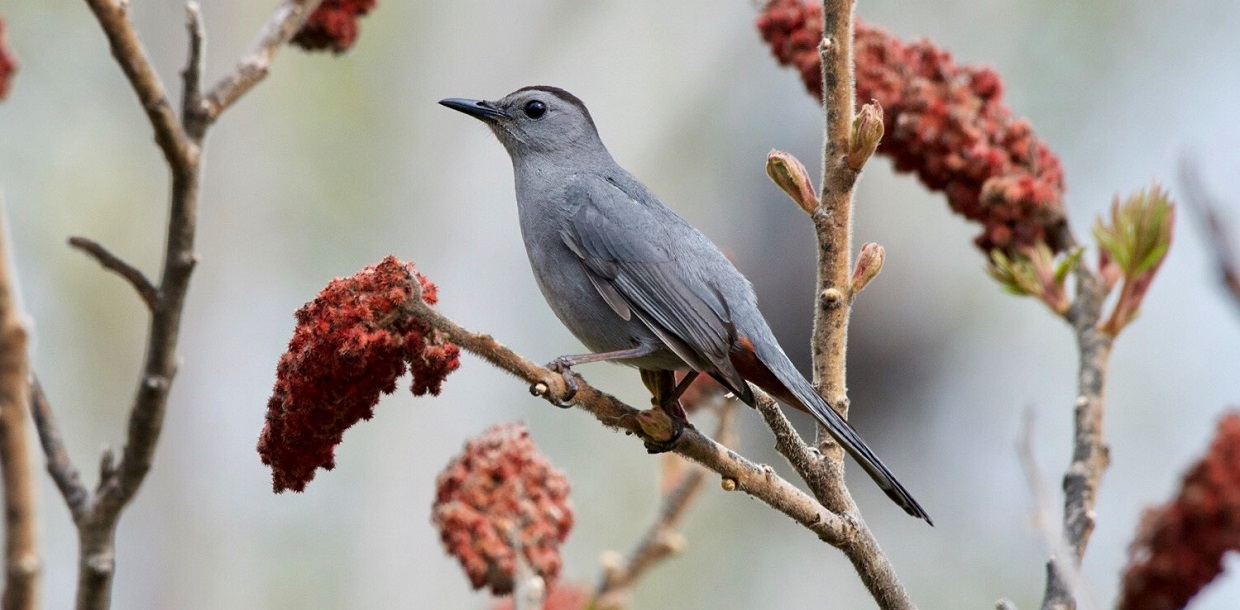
(634, 281)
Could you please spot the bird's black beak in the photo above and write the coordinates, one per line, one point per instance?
(479, 109)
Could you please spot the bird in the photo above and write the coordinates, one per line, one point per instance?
(635, 282)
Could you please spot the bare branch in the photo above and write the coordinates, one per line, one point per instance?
(253, 67)
(1060, 563)
(113, 16)
(59, 466)
(121, 475)
(191, 76)
(146, 290)
(1206, 207)
(21, 540)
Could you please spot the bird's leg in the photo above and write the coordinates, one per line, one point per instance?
(679, 391)
(564, 366)
(665, 395)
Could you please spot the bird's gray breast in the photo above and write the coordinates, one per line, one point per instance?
(545, 208)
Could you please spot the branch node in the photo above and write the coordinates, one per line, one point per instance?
(729, 484)
(832, 298)
(155, 383)
(107, 464)
(101, 563)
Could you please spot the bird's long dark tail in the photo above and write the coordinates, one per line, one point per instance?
(788, 385)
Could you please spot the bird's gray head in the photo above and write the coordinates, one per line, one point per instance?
(537, 120)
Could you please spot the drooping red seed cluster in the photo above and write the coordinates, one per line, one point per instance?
(499, 493)
(333, 25)
(1180, 546)
(350, 345)
(8, 63)
(560, 597)
(943, 121)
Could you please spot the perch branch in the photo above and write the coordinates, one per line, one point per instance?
(21, 540)
(737, 472)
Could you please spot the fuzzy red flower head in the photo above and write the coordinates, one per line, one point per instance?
(1180, 546)
(944, 121)
(500, 493)
(333, 25)
(350, 345)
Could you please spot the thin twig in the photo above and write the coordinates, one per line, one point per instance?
(146, 290)
(59, 466)
(529, 590)
(737, 472)
(191, 76)
(661, 539)
(127, 49)
(1043, 514)
(1207, 208)
(21, 540)
(1090, 454)
(254, 65)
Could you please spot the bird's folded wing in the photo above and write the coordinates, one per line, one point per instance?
(624, 246)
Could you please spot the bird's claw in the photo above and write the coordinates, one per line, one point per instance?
(660, 431)
(562, 366)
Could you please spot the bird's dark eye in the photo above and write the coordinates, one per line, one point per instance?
(535, 109)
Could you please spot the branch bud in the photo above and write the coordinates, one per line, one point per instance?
(869, 263)
(867, 132)
(789, 174)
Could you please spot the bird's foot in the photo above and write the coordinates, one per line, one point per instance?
(660, 430)
(564, 367)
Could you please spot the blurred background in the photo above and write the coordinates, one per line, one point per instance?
(334, 162)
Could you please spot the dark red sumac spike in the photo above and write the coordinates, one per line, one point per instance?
(943, 121)
(333, 26)
(350, 346)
